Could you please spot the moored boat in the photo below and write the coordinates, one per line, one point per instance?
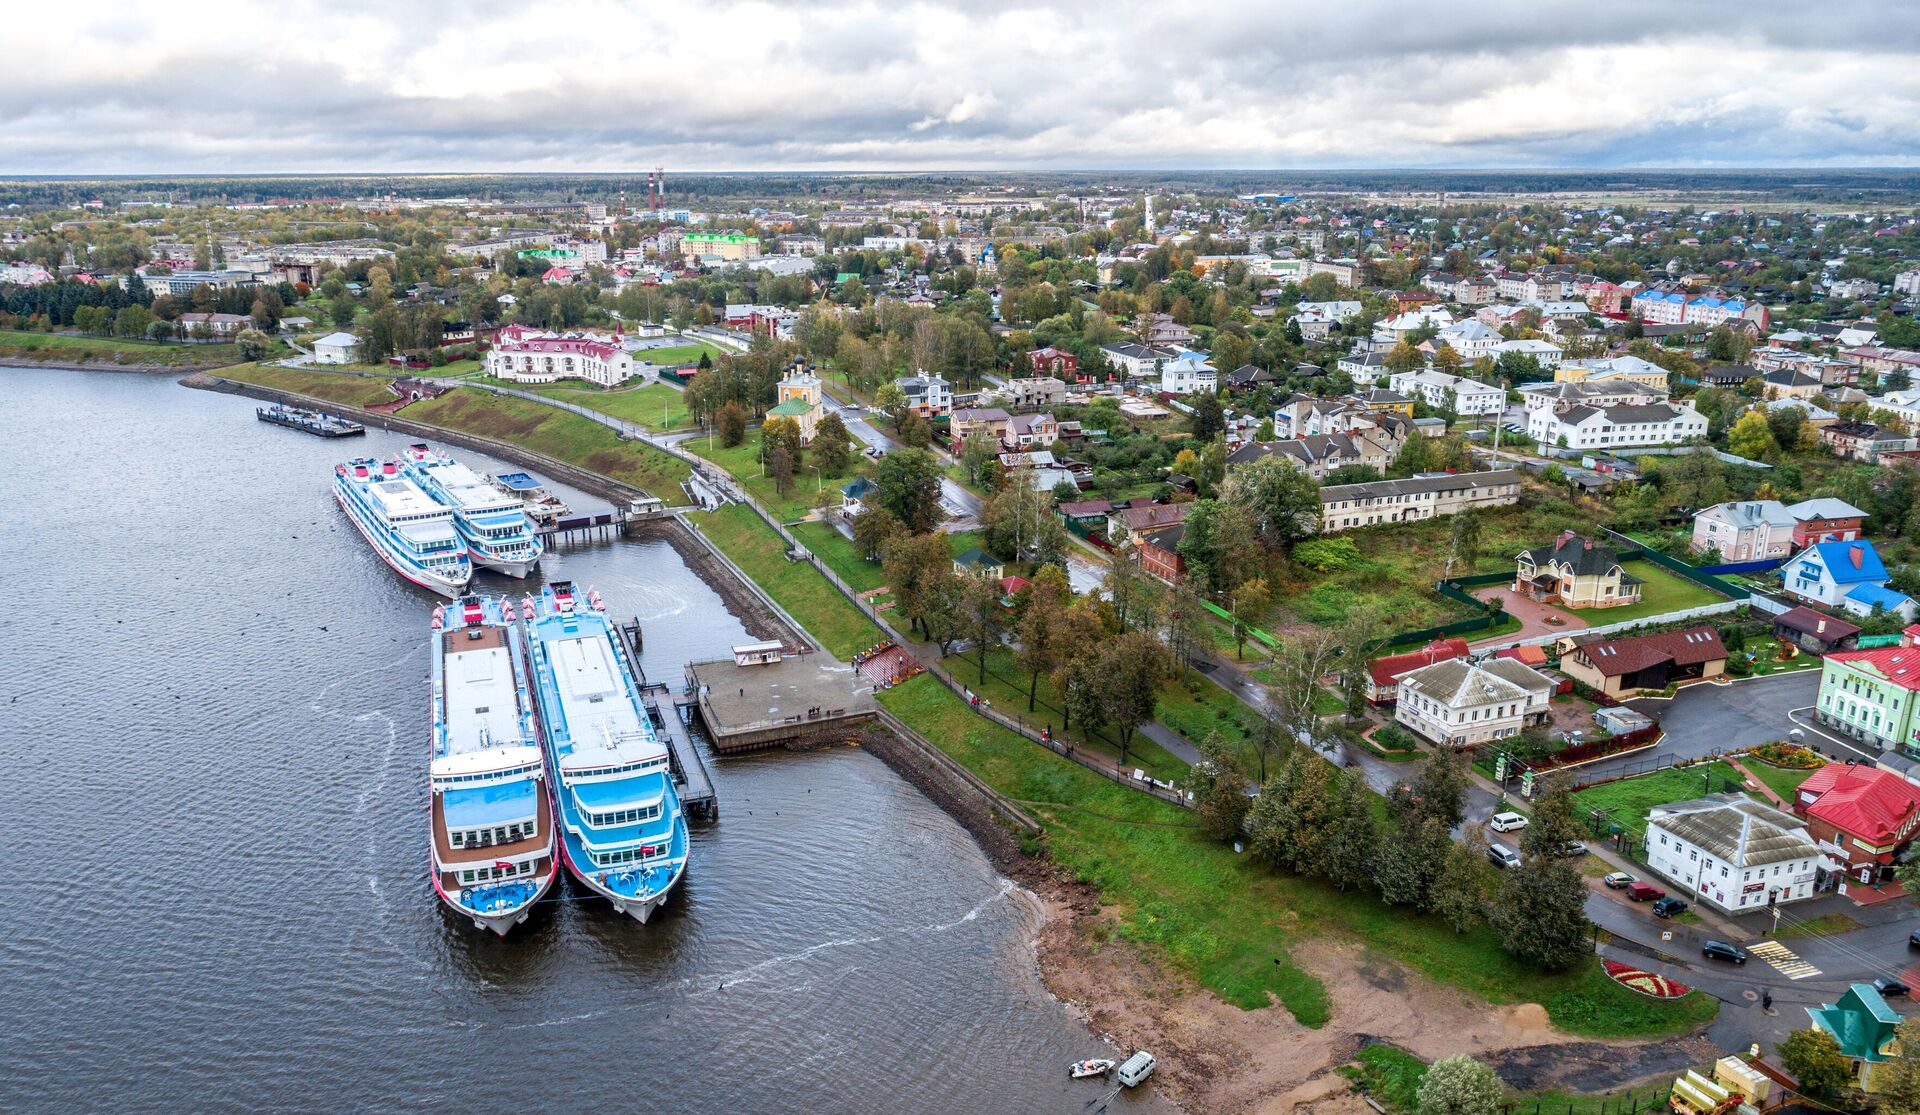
(1093, 1066)
(622, 833)
(492, 844)
(408, 529)
(542, 506)
(495, 528)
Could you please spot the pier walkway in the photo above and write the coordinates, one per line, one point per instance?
(695, 782)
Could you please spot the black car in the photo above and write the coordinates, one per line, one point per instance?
(1889, 988)
(1669, 907)
(1913, 939)
(1720, 950)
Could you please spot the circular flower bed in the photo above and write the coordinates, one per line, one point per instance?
(1647, 983)
(1792, 756)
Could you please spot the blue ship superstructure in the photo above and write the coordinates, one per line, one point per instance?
(622, 831)
(491, 847)
(493, 524)
(410, 530)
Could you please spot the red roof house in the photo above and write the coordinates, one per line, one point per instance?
(1621, 666)
(1383, 673)
(1847, 806)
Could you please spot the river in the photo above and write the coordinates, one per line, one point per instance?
(216, 899)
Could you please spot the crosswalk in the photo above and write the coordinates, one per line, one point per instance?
(1783, 959)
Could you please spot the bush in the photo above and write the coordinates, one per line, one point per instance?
(1791, 756)
(1327, 555)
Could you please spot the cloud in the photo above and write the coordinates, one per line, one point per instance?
(352, 85)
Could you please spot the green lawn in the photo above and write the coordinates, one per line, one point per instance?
(1823, 924)
(1197, 707)
(1781, 780)
(1630, 799)
(1230, 922)
(655, 406)
(837, 551)
(1662, 592)
(1392, 1076)
(678, 354)
(842, 628)
(335, 387)
(1006, 688)
(557, 433)
(27, 345)
(743, 461)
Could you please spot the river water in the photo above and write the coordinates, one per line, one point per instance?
(215, 894)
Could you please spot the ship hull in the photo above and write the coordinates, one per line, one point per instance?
(639, 909)
(515, 569)
(500, 922)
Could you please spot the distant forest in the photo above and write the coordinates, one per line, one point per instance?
(1838, 187)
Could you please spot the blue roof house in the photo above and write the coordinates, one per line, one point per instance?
(1845, 575)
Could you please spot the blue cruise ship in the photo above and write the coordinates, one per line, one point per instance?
(497, 532)
(621, 829)
(405, 526)
(491, 848)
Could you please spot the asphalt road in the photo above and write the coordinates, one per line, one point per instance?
(1703, 720)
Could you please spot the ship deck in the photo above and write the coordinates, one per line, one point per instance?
(451, 856)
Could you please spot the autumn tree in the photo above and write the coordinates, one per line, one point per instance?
(1131, 668)
(913, 564)
(1540, 912)
(909, 481)
(1281, 499)
(1752, 437)
(1816, 1060)
(873, 528)
(983, 621)
(1220, 785)
(1131, 593)
(1042, 627)
(731, 422)
(780, 467)
(830, 438)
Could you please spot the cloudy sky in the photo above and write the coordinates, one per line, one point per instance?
(416, 85)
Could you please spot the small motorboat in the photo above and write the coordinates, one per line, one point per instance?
(1096, 1066)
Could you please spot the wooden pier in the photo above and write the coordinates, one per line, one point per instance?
(603, 525)
(690, 774)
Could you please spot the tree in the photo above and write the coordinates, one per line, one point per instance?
(980, 456)
(731, 421)
(1220, 787)
(1463, 543)
(1298, 666)
(1247, 600)
(909, 482)
(250, 343)
(982, 620)
(1218, 544)
(1540, 912)
(1897, 1081)
(1282, 499)
(1752, 437)
(1551, 827)
(830, 437)
(1408, 861)
(1459, 1085)
(1081, 699)
(1441, 789)
(873, 528)
(379, 335)
(1042, 627)
(1816, 1060)
(1187, 627)
(1402, 358)
(1209, 418)
(1131, 593)
(132, 322)
(780, 467)
(1460, 892)
(912, 565)
(1132, 667)
(1346, 853)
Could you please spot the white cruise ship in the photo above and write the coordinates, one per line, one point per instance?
(495, 527)
(408, 529)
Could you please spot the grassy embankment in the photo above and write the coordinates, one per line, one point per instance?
(26, 347)
(1229, 922)
(807, 489)
(796, 585)
(543, 429)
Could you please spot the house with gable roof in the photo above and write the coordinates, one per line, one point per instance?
(1575, 572)
(1863, 817)
(1844, 575)
(1383, 673)
(1733, 853)
(1869, 695)
(1864, 1027)
(1633, 663)
(1458, 703)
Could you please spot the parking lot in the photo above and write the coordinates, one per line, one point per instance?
(1703, 719)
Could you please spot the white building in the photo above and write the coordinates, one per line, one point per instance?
(1471, 338)
(1907, 282)
(1437, 389)
(523, 355)
(1587, 427)
(31, 274)
(1136, 360)
(1545, 353)
(1189, 373)
(1396, 328)
(1732, 853)
(336, 348)
(1459, 703)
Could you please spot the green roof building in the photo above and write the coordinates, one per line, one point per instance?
(1863, 1024)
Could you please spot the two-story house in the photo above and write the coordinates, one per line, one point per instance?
(1630, 664)
(1744, 530)
(1586, 427)
(1346, 506)
(1459, 703)
(1443, 391)
(1383, 673)
(1733, 853)
(1825, 520)
(1189, 373)
(1861, 816)
(1864, 441)
(1845, 575)
(1869, 695)
(1056, 362)
(1035, 392)
(1575, 572)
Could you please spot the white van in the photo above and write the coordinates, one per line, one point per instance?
(1507, 822)
(1136, 1068)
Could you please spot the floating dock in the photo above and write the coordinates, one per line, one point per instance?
(603, 525)
(312, 421)
(690, 773)
(763, 698)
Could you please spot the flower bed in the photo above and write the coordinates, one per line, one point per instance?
(1651, 984)
(1790, 756)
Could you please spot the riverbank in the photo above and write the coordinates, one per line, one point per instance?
(1172, 942)
(73, 352)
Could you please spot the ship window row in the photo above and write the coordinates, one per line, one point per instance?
(623, 816)
(644, 854)
(488, 874)
(440, 780)
(487, 837)
(632, 768)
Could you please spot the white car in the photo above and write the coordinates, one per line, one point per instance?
(1507, 822)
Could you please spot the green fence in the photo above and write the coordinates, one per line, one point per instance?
(1633, 550)
(1259, 635)
(1869, 642)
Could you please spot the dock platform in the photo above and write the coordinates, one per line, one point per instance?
(690, 774)
(764, 704)
(312, 421)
